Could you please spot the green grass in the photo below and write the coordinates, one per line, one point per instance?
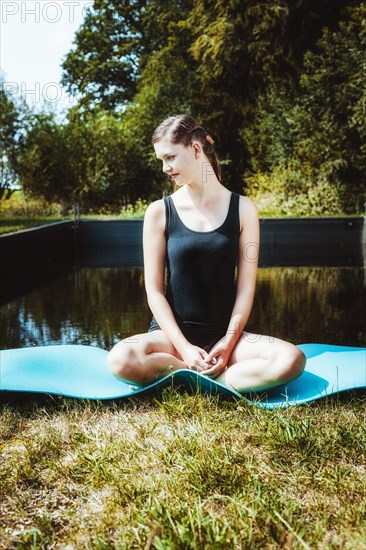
(39, 212)
(16, 215)
(182, 471)
(13, 217)
(17, 224)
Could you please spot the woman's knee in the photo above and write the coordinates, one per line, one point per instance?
(292, 364)
(123, 360)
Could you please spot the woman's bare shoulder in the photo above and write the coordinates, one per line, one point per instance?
(246, 202)
(155, 206)
(247, 211)
(155, 213)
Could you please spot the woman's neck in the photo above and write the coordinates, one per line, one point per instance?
(203, 193)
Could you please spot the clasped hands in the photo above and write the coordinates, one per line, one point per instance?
(210, 364)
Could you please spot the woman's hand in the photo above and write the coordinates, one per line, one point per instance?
(194, 358)
(217, 359)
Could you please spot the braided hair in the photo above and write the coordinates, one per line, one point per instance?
(184, 130)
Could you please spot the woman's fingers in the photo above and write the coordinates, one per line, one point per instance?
(204, 354)
(207, 363)
(211, 360)
(214, 371)
(214, 365)
(201, 364)
(194, 358)
(209, 357)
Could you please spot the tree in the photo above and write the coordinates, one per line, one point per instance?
(9, 125)
(82, 161)
(43, 163)
(249, 70)
(333, 98)
(96, 158)
(308, 140)
(104, 65)
(212, 58)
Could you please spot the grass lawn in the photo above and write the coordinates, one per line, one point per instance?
(182, 471)
(16, 224)
(13, 218)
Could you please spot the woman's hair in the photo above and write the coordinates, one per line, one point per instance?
(184, 129)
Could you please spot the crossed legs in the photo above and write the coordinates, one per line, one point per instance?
(260, 362)
(256, 363)
(144, 358)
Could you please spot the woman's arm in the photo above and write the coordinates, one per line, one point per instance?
(154, 248)
(247, 270)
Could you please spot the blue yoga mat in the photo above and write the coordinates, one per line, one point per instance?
(81, 372)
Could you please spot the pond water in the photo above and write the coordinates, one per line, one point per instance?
(101, 306)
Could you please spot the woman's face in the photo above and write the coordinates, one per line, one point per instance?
(178, 161)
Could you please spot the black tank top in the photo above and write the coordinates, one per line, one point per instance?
(200, 270)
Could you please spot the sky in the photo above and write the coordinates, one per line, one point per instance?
(35, 36)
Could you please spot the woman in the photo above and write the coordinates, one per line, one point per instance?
(201, 232)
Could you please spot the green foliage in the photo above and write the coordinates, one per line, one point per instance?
(128, 212)
(96, 156)
(18, 206)
(333, 104)
(85, 160)
(307, 144)
(20, 212)
(43, 163)
(10, 122)
(290, 190)
(279, 85)
(8, 119)
(103, 65)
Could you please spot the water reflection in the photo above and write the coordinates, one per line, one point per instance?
(324, 305)
(100, 306)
